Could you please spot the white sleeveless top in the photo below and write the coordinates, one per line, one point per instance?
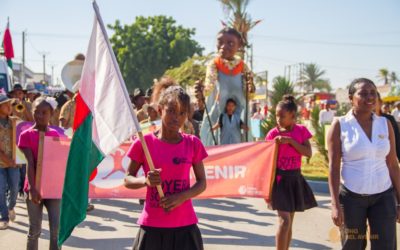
(364, 169)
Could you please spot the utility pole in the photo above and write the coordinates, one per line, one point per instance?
(44, 67)
(44, 64)
(22, 73)
(266, 85)
(284, 71)
(302, 76)
(52, 75)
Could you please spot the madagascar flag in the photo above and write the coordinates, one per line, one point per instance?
(8, 46)
(104, 119)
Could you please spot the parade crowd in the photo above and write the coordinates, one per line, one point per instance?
(364, 177)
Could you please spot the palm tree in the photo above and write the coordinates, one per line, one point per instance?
(319, 133)
(281, 86)
(323, 85)
(384, 75)
(393, 78)
(239, 19)
(312, 78)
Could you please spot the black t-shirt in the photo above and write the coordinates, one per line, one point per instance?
(230, 119)
(396, 132)
(198, 115)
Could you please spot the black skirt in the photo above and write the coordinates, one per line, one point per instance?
(180, 238)
(291, 192)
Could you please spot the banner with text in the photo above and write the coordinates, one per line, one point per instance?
(238, 170)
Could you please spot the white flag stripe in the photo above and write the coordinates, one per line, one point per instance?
(104, 91)
(115, 63)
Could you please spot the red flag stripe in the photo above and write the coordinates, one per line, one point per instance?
(81, 111)
(7, 45)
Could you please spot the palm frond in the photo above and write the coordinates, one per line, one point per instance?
(384, 75)
(319, 133)
(393, 78)
(238, 17)
(281, 86)
(312, 75)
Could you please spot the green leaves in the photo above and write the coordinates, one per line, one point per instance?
(191, 70)
(312, 78)
(281, 86)
(319, 133)
(384, 75)
(150, 46)
(238, 17)
(388, 77)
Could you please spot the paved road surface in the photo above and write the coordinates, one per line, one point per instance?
(225, 224)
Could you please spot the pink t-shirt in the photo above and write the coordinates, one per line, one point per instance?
(30, 139)
(288, 157)
(175, 162)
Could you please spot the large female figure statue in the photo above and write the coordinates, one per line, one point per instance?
(225, 79)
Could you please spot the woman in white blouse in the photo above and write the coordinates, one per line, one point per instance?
(364, 176)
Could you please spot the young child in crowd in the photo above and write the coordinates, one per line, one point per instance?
(42, 108)
(230, 124)
(290, 192)
(169, 222)
(9, 172)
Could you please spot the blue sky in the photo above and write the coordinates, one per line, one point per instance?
(346, 38)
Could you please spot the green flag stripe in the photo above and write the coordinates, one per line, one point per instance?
(83, 158)
(10, 63)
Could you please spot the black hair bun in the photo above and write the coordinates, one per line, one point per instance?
(289, 98)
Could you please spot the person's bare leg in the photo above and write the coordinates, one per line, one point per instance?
(290, 230)
(282, 235)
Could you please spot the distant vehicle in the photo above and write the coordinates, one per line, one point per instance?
(6, 76)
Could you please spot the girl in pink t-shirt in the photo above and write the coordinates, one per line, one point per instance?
(290, 192)
(169, 222)
(28, 142)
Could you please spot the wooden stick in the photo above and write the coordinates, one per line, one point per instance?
(274, 169)
(39, 164)
(149, 160)
(246, 111)
(209, 121)
(14, 139)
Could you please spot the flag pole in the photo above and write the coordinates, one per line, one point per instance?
(39, 164)
(133, 113)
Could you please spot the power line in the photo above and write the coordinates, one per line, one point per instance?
(278, 38)
(298, 40)
(55, 35)
(31, 44)
(324, 65)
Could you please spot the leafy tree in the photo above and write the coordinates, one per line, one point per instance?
(190, 71)
(313, 78)
(384, 75)
(149, 46)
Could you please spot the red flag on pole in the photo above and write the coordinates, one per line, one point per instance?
(8, 46)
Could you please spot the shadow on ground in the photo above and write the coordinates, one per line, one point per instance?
(212, 234)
